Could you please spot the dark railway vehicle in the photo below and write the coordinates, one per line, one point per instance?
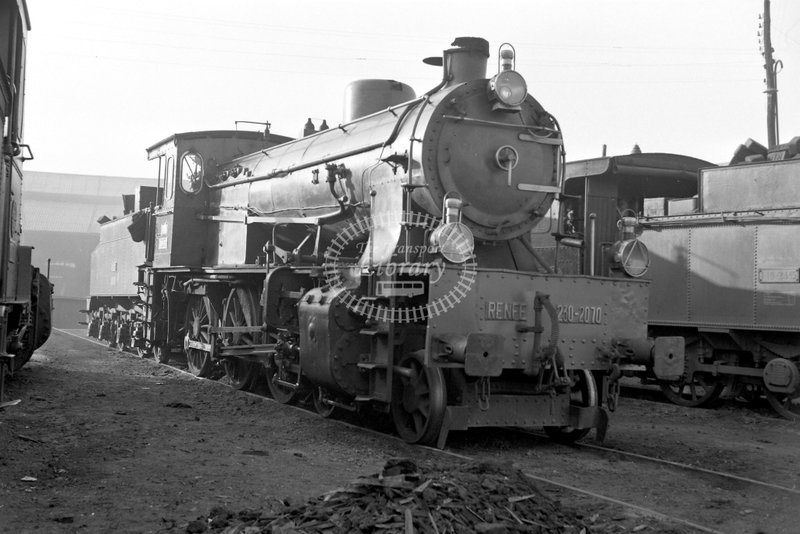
(25, 293)
(385, 263)
(115, 309)
(718, 244)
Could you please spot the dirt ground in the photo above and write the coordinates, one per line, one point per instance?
(138, 447)
(106, 442)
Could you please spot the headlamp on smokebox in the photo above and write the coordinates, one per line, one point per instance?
(507, 89)
(453, 239)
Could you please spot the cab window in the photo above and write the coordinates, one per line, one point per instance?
(191, 172)
(169, 178)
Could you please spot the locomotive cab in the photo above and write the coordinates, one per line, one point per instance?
(187, 165)
(598, 218)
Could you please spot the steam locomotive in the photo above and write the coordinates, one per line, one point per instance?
(718, 244)
(25, 293)
(384, 263)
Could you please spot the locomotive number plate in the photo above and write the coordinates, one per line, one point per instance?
(580, 314)
(778, 276)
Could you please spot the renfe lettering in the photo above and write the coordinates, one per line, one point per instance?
(506, 311)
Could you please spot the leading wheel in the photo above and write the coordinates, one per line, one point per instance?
(583, 393)
(240, 373)
(699, 390)
(418, 401)
(318, 396)
(161, 353)
(786, 404)
(281, 379)
(200, 317)
(241, 310)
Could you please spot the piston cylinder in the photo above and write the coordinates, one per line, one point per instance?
(330, 343)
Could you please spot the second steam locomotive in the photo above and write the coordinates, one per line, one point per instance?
(385, 263)
(718, 243)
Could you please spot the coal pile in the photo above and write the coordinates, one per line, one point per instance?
(405, 498)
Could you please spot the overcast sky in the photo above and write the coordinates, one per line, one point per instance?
(107, 78)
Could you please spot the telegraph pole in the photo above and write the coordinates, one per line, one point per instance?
(771, 67)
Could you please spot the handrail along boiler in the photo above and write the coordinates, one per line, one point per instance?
(386, 262)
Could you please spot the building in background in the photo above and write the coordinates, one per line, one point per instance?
(59, 219)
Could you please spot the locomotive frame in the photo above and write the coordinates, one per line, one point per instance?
(383, 264)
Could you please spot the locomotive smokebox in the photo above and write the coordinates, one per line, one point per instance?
(464, 63)
(365, 97)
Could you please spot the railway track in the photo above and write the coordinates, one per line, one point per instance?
(701, 499)
(693, 498)
(685, 466)
(603, 497)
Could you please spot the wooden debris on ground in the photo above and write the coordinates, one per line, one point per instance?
(406, 499)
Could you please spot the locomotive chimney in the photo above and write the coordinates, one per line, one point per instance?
(464, 63)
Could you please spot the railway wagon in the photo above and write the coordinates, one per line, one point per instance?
(718, 244)
(386, 263)
(25, 293)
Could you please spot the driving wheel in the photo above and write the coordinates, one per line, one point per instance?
(241, 310)
(200, 317)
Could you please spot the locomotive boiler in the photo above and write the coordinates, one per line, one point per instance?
(25, 293)
(386, 263)
(717, 243)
